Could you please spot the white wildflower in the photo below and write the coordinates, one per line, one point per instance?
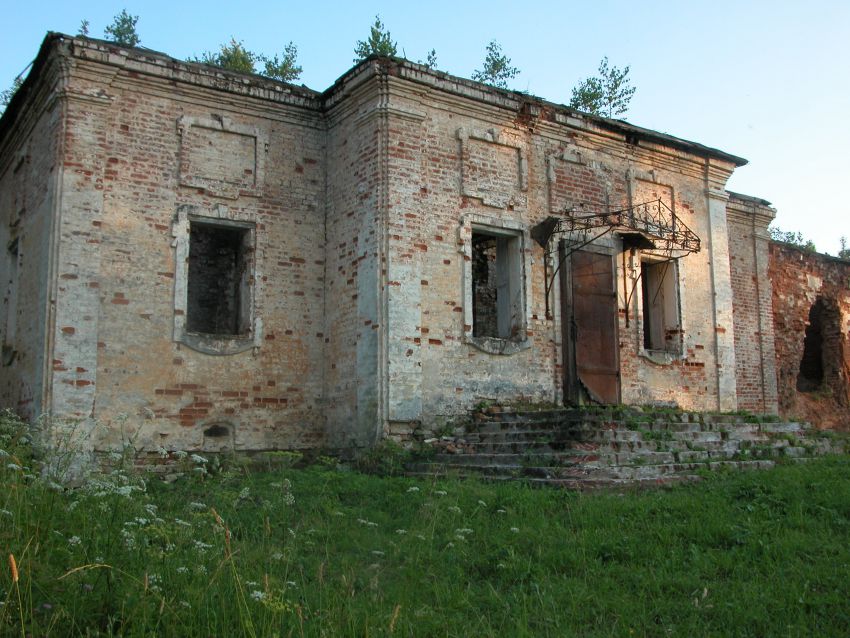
(162, 452)
(501, 511)
(291, 583)
(401, 532)
(277, 556)
(180, 454)
(258, 595)
(291, 532)
(73, 505)
(244, 493)
(5, 513)
(338, 513)
(289, 498)
(197, 458)
(449, 545)
(200, 470)
(124, 490)
(74, 540)
(500, 566)
(178, 521)
(202, 546)
(129, 539)
(454, 508)
(142, 521)
(150, 508)
(515, 530)
(420, 537)
(440, 492)
(13, 466)
(463, 531)
(482, 503)
(412, 489)
(185, 604)
(3, 454)
(377, 552)
(182, 570)
(252, 583)
(194, 505)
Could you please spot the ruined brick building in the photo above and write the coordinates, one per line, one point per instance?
(223, 260)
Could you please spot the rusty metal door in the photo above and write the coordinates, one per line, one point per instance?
(589, 324)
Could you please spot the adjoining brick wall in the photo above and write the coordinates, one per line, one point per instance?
(755, 367)
(29, 164)
(801, 281)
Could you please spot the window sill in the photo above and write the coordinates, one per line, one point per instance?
(217, 344)
(494, 345)
(660, 357)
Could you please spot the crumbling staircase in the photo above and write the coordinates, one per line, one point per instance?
(614, 446)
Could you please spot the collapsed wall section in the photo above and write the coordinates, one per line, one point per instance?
(811, 321)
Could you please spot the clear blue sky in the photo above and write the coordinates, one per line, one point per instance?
(766, 80)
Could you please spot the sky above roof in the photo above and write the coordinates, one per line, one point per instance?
(765, 80)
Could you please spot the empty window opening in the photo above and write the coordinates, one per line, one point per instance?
(218, 295)
(810, 377)
(661, 327)
(496, 286)
(10, 303)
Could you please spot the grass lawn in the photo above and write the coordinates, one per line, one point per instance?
(328, 552)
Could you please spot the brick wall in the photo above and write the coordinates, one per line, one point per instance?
(359, 206)
(29, 165)
(755, 358)
(802, 280)
(127, 173)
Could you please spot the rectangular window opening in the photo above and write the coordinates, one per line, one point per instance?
(661, 326)
(496, 286)
(10, 303)
(218, 288)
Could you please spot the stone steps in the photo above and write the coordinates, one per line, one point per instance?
(571, 448)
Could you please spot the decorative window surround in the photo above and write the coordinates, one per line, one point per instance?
(212, 343)
(484, 224)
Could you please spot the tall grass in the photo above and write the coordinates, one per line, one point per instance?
(329, 552)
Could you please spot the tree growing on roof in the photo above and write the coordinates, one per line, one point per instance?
(497, 69)
(122, 31)
(6, 96)
(235, 57)
(607, 94)
(431, 59)
(379, 42)
(232, 56)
